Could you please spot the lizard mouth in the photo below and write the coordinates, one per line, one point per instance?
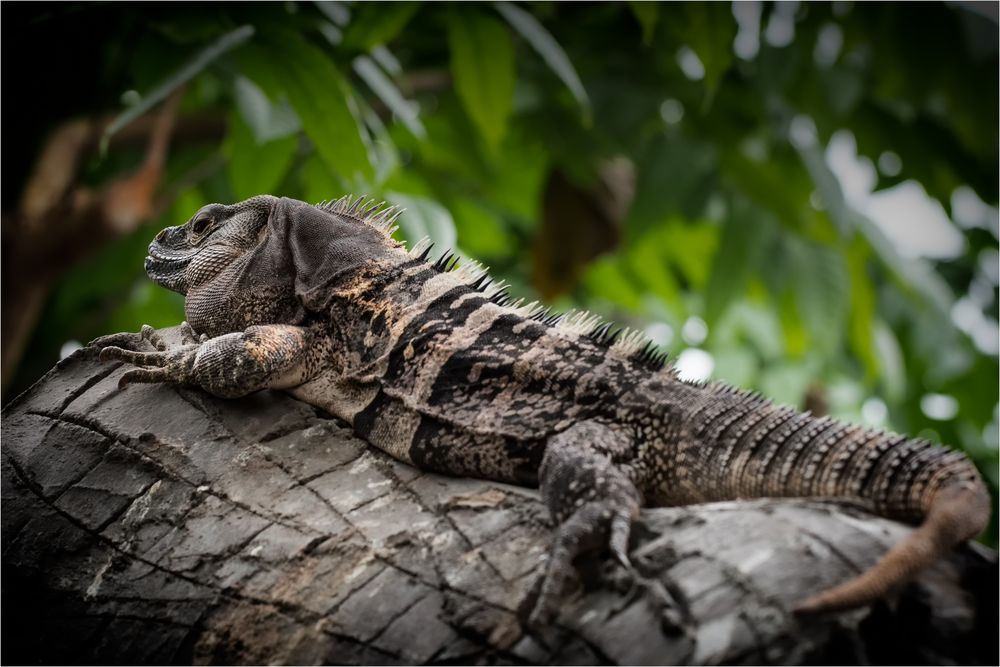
(166, 267)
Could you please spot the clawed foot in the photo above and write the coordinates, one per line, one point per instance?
(164, 365)
(590, 527)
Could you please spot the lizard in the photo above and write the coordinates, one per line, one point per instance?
(436, 365)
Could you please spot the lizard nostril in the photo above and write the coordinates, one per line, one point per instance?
(161, 236)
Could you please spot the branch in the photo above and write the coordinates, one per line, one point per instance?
(59, 221)
(159, 524)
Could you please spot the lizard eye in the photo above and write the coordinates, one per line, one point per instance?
(200, 224)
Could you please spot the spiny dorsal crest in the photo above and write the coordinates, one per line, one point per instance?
(623, 342)
(365, 211)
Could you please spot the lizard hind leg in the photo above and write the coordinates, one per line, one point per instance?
(589, 488)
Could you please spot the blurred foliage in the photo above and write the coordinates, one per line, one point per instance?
(495, 124)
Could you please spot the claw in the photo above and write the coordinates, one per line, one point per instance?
(142, 375)
(155, 359)
(621, 527)
(149, 333)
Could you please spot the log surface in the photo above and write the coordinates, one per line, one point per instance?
(159, 524)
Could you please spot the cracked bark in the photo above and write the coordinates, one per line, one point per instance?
(162, 525)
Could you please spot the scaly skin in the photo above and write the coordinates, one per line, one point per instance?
(438, 368)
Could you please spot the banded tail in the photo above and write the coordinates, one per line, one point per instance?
(767, 450)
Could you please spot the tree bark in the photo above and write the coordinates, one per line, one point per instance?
(161, 525)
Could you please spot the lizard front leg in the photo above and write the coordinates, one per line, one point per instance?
(589, 486)
(262, 357)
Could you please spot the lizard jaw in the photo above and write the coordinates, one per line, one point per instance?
(167, 270)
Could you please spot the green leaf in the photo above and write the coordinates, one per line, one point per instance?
(692, 247)
(548, 48)
(185, 73)
(647, 262)
(914, 273)
(709, 29)
(318, 182)
(827, 186)
(267, 120)
(482, 62)
(387, 91)
(320, 96)
(605, 278)
(425, 217)
(744, 236)
(647, 13)
(481, 232)
(821, 292)
(377, 23)
(254, 167)
(862, 310)
(891, 362)
(686, 165)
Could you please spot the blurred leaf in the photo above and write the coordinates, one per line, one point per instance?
(862, 310)
(736, 366)
(377, 23)
(686, 165)
(182, 75)
(648, 262)
(766, 183)
(336, 11)
(709, 30)
(548, 48)
(318, 182)
(320, 97)
(387, 91)
(890, 362)
(647, 13)
(256, 168)
(425, 217)
(267, 120)
(482, 62)
(821, 292)
(480, 232)
(787, 383)
(792, 326)
(692, 247)
(604, 278)
(914, 273)
(744, 236)
(827, 186)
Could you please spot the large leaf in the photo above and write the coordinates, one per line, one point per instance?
(387, 91)
(687, 166)
(821, 291)
(826, 184)
(548, 48)
(376, 23)
(647, 14)
(268, 120)
(709, 30)
(862, 310)
(744, 236)
(482, 62)
(915, 274)
(425, 217)
(320, 96)
(256, 167)
(185, 73)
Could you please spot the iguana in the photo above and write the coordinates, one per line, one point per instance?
(437, 366)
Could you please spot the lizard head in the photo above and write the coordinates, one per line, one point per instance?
(269, 260)
(185, 257)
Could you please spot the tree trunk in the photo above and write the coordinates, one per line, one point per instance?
(161, 525)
